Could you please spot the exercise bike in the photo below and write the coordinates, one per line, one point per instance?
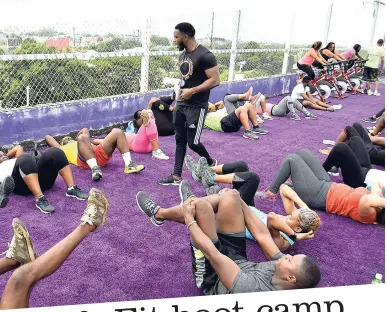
(339, 87)
(320, 86)
(346, 82)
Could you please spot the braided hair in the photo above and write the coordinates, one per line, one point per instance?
(309, 220)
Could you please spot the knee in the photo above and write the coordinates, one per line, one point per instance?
(22, 277)
(341, 147)
(117, 132)
(254, 179)
(241, 166)
(202, 206)
(56, 153)
(83, 138)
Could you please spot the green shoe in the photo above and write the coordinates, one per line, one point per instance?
(76, 192)
(43, 205)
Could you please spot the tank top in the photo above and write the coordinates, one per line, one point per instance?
(344, 201)
(325, 57)
(307, 59)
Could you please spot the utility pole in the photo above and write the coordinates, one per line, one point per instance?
(74, 36)
(212, 28)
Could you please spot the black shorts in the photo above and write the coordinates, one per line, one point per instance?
(370, 74)
(231, 245)
(230, 123)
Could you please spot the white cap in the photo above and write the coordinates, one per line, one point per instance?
(378, 276)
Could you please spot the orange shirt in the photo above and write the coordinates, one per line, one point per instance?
(344, 201)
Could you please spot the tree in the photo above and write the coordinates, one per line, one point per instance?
(159, 41)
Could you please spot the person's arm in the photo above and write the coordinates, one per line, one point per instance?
(212, 73)
(382, 62)
(260, 232)
(225, 268)
(377, 188)
(274, 221)
(167, 99)
(15, 152)
(317, 56)
(332, 55)
(289, 198)
(370, 203)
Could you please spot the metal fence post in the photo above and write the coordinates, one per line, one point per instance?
(234, 46)
(146, 34)
(374, 20)
(285, 62)
(328, 23)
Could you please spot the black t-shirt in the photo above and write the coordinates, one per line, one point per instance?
(192, 67)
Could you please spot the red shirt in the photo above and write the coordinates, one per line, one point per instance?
(344, 201)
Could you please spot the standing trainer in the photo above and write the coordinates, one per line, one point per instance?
(199, 74)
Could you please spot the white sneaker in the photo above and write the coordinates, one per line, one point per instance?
(376, 93)
(259, 119)
(158, 154)
(337, 106)
(266, 116)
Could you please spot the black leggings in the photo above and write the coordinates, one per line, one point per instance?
(245, 182)
(380, 113)
(47, 168)
(353, 160)
(163, 117)
(308, 69)
(376, 156)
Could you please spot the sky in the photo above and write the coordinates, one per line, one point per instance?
(261, 20)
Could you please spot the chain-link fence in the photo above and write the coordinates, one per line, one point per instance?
(60, 63)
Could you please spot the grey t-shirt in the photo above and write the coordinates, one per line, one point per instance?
(253, 277)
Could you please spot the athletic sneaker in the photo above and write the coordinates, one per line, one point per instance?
(133, 167)
(334, 172)
(20, 249)
(185, 191)
(148, 207)
(43, 205)
(170, 180)
(311, 117)
(192, 167)
(6, 188)
(202, 167)
(158, 154)
(369, 92)
(259, 130)
(376, 93)
(266, 116)
(208, 177)
(369, 120)
(259, 119)
(96, 173)
(294, 116)
(214, 189)
(76, 192)
(330, 109)
(214, 163)
(97, 207)
(266, 195)
(250, 135)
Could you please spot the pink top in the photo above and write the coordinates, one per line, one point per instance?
(307, 59)
(269, 106)
(348, 54)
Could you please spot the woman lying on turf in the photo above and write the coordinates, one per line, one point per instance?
(144, 138)
(25, 175)
(298, 224)
(313, 185)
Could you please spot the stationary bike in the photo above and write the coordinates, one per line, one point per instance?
(346, 82)
(339, 87)
(320, 86)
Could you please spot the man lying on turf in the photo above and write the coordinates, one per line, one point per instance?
(218, 245)
(298, 224)
(81, 152)
(31, 269)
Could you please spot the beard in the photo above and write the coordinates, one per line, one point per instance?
(181, 46)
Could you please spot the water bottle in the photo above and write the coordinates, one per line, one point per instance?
(377, 279)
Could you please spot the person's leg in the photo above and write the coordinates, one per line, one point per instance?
(241, 113)
(196, 116)
(252, 113)
(298, 106)
(85, 149)
(380, 113)
(246, 183)
(282, 108)
(341, 156)
(180, 124)
(25, 175)
(51, 142)
(7, 265)
(379, 126)
(322, 104)
(115, 139)
(231, 102)
(238, 166)
(306, 184)
(314, 164)
(312, 105)
(356, 144)
(20, 285)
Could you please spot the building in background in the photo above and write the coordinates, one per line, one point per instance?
(60, 44)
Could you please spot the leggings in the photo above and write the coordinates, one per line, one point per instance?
(244, 181)
(376, 156)
(287, 105)
(163, 116)
(140, 142)
(47, 168)
(307, 69)
(380, 113)
(310, 180)
(353, 160)
(232, 102)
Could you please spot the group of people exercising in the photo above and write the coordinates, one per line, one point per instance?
(220, 222)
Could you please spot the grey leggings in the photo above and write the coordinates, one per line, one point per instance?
(232, 102)
(310, 181)
(287, 105)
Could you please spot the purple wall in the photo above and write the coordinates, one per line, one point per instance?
(34, 123)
